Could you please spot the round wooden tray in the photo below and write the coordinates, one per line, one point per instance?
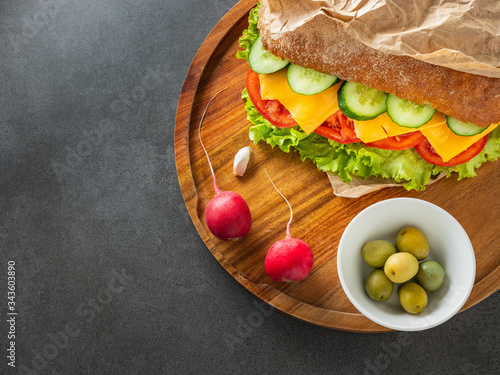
(319, 216)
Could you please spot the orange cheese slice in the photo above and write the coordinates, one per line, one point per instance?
(371, 130)
(394, 129)
(447, 144)
(382, 127)
(310, 111)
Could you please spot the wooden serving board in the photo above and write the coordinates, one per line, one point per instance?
(319, 217)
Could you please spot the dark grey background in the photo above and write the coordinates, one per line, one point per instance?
(112, 277)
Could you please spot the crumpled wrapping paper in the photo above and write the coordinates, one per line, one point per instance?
(463, 34)
(359, 186)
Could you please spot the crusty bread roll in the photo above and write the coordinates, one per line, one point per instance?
(323, 45)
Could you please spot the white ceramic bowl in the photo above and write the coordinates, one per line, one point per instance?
(448, 243)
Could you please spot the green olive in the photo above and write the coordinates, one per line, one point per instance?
(376, 252)
(430, 275)
(401, 267)
(412, 240)
(412, 297)
(378, 286)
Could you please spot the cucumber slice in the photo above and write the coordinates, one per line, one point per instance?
(407, 113)
(306, 81)
(465, 129)
(361, 102)
(263, 62)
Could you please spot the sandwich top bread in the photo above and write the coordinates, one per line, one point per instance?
(322, 44)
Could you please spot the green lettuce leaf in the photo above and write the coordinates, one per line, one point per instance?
(249, 35)
(284, 138)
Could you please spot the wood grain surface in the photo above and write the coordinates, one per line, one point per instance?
(319, 217)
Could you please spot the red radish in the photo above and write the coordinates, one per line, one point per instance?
(227, 214)
(290, 259)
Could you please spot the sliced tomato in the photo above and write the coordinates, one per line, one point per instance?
(339, 128)
(272, 110)
(428, 153)
(399, 142)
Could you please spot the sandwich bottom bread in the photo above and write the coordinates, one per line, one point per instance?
(329, 124)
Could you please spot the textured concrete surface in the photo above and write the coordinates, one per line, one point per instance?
(111, 276)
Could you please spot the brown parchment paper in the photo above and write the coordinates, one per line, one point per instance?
(463, 35)
(359, 186)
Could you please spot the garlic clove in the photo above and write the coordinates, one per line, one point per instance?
(241, 161)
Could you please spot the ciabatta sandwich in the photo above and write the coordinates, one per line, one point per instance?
(359, 111)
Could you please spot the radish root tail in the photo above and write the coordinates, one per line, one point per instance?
(216, 189)
(286, 200)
